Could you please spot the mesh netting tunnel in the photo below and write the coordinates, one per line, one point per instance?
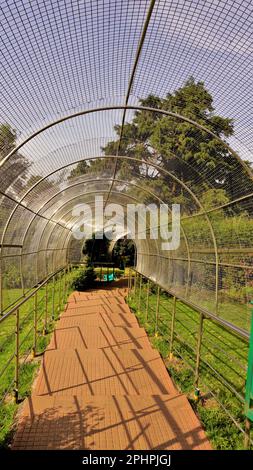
(76, 77)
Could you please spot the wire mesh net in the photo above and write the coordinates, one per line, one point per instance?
(91, 106)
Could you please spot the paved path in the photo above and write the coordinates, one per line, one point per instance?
(101, 385)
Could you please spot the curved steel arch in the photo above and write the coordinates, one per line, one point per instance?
(195, 198)
(173, 177)
(127, 107)
(64, 247)
(116, 192)
(128, 196)
(150, 109)
(157, 167)
(157, 248)
(94, 192)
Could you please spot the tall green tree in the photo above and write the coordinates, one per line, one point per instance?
(17, 163)
(153, 141)
(196, 157)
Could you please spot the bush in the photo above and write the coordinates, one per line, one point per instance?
(85, 279)
(12, 278)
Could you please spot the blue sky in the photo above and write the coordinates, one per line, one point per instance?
(63, 56)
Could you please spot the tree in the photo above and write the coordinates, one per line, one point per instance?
(17, 163)
(123, 253)
(44, 185)
(80, 169)
(153, 141)
(196, 157)
(97, 250)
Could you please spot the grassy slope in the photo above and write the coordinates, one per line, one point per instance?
(29, 366)
(224, 352)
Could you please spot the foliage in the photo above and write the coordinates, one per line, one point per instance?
(17, 164)
(177, 146)
(223, 351)
(155, 141)
(85, 279)
(124, 252)
(12, 278)
(80, 169)
(29, 366)
(97, 249)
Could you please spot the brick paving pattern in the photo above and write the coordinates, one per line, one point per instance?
(102, 386)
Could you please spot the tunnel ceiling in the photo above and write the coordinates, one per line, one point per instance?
(71, 72)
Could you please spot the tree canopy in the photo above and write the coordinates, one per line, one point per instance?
(18, 163)
(197, 158)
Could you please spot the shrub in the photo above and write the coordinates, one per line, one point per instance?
(85, 279)
(12, 278)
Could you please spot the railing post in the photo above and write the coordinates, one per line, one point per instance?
(140, 287)
(64, 285)
(34, 349)
(130, 281)
(157, 310)
(135, 281)
(59, 294)
(67, 279)
(16, 389)
(174, 307)
(46, 309)
(200, 334)
(249, 389)
(53, 297)
(1, 288)
(147, 300)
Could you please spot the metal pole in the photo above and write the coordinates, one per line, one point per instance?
(249, 388)
(174, 307)
(46, 309)
(34, 349)
(21, 272)
(59, 294)
(1, 284)
(157, 310)
(135, 281)
(139, 301)
(130, 281)
(53, 297)
(68, 278)
(17, 357)
(147, 300)
(201, 320)
(64, 285)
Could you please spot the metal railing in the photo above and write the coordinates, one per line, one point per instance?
(214, 351)
(25, 324)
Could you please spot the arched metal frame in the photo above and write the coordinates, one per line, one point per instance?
(125, 108)
(151, 38)
(153, 195)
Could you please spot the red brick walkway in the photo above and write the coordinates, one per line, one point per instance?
(102, 386)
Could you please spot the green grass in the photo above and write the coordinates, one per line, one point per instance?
(223, 364)
(221, 350)
(28, 365)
